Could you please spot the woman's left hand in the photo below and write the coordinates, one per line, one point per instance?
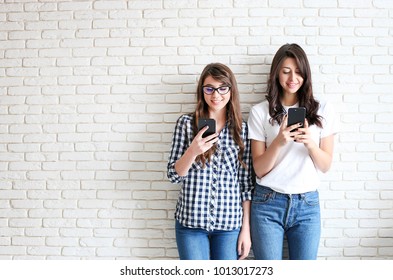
(244, 244)
(304, 137)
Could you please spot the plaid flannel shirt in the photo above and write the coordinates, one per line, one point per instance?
(211, 197)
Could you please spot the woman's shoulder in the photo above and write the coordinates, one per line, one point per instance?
(330, 120)
(261, 106)
(185, 118)
(325, 107)
(260, 110)
(244, 132)
(244, 124)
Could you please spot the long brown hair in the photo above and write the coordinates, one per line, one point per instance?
(223, 74)
(305, 92)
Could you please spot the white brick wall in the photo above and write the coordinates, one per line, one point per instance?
(90, 91)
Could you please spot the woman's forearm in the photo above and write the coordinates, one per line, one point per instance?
(264, 159)
(322, 156)
(246, 214)
(184, 163)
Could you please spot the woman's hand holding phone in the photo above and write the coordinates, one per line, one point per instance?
(294, 127)
(287, 133)
(200, 145)
(304, 136)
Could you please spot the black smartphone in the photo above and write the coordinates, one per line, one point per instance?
(207, 122)
(296, 115)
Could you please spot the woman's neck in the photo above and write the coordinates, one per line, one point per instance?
(289, 100)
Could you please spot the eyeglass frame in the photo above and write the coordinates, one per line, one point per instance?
(215, 89)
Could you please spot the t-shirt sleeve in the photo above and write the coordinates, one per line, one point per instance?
(256, 130)
(330, 121)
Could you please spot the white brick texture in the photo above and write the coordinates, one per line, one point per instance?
(90, 92)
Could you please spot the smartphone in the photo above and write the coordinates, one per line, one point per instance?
(296, 115)
(207, 122)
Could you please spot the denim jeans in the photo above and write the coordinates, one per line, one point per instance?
(275, 215)
(200, 244)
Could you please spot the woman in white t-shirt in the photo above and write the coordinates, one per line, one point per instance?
(287, 160)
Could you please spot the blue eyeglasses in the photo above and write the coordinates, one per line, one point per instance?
(221, 90)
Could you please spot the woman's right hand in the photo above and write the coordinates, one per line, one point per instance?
(200, 145)
(285, 135)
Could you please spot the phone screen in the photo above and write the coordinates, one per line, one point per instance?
(207, 122)
(296, 115)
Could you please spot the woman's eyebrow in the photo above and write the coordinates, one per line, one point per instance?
(289, 68)
(210, 85)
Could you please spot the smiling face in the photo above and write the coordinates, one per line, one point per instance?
(216, 102)
(290, 78)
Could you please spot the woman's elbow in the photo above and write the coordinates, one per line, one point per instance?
(325, 168)
(260, 173)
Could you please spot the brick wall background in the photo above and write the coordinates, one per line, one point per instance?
(90, 92)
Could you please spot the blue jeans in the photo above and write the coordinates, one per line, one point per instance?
(274, 215)
(200, 244)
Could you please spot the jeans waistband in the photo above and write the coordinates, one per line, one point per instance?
(278, 194)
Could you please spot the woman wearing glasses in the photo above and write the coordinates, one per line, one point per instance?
(213, 209)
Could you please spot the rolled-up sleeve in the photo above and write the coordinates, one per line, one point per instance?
(179, 145)
(246, 178)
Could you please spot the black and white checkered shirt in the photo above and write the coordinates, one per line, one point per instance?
(211, 198)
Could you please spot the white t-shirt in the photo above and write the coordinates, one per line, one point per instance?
(294, 171)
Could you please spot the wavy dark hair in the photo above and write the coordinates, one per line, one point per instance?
(305, 92)
(223, 74)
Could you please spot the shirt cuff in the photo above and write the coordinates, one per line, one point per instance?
(173, 176)
(246, 196)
